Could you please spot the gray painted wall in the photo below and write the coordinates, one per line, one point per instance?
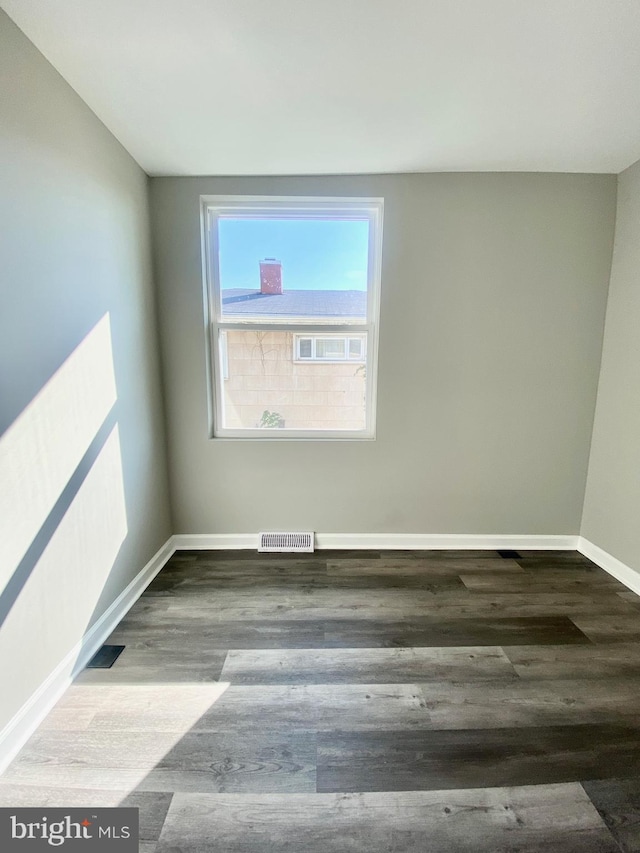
(612, 503)
(493, 300)
(82, 461)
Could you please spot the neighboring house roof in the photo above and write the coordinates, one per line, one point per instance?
(295, 303)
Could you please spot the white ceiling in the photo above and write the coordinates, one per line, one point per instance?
(247, 87)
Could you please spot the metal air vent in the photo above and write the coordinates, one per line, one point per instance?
(285, 542)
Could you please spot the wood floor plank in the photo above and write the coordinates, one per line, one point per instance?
(221, 635)
(247, 586)
(442, 554)
(590, 574)
(235, 570)
(192, 700)
(368, 666)
(615, 660)
(567, 562)
(250, 557)
(479, 631)
(67, 719)
(523, 703)
(553, 556)
(618, 803)
(281, 708)
(602, 629)
(147, 605)
(161, 761)
(430, 760)
(544, 580)
(432, 565)
(553, 818)
(631, 597)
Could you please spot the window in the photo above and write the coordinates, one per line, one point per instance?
(292, 301)
(329, 348)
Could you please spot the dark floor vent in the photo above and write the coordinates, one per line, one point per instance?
(105, 657)
(509, 555)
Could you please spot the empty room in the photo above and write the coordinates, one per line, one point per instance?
(320, 426)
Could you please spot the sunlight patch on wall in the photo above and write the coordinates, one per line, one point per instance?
(42, 448)
(59, 598)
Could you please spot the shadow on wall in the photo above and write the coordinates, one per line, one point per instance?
(63, 516)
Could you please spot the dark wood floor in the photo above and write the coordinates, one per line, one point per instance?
(360, 701)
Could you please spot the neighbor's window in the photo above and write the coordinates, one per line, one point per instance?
(329, 348)
(292, 304)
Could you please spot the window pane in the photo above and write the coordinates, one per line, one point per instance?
(305, 345)
(284, 268)
(330, 347)
(355, 347)
(268, 389)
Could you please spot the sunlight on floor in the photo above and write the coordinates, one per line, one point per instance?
(121, 733)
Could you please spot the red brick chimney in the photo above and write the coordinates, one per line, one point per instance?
(270, 276)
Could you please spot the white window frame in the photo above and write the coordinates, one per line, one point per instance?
(314, 359)
(224, 355)
(214, 207)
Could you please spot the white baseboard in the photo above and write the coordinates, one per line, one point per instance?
(625, 574)
(215, 541)
(386, 541)
(20, 728)
(438, 541)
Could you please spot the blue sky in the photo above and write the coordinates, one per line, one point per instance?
(316, 254)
